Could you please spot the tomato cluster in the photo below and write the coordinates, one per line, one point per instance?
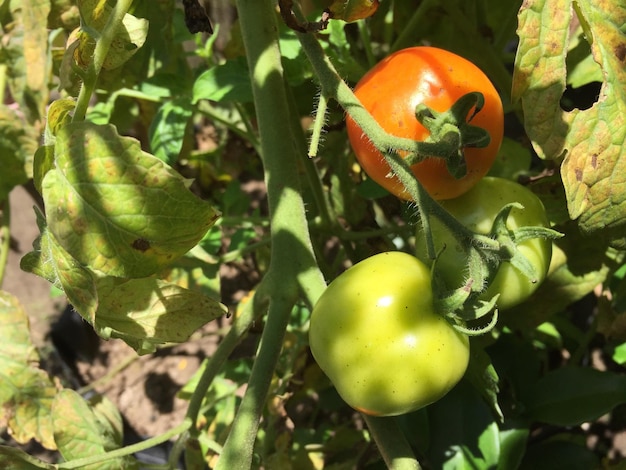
(375, 331)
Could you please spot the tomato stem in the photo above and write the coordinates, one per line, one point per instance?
(95, 66)
(391, 442)
(292, 267)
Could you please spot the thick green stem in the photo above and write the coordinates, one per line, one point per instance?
(220, 356)
(392, 444)
(292, 253)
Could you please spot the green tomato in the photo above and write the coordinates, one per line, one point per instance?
(375, 334)
(477, 210)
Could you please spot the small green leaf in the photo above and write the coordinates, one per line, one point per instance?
(571, 396)
(116, 209)
(619, 354)
(484, 377)
(229, 81)
(78, 433)
(578, 265)
(167, 130)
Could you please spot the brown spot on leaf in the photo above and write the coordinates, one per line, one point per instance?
(141, 244)
(620, 52)
(579, 174)
(594, 161)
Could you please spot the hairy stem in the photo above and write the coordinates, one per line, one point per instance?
(292, 253)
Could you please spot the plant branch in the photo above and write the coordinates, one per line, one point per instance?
(392, 444)
(292, 253)
(103, 45)
(128, 450)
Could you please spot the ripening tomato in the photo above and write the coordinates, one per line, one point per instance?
(375, 334)
(477, 210)
(352, 10)
(437, 78)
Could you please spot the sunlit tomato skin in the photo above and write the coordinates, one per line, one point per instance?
(375, 334)
(477, 210)
(437, 78)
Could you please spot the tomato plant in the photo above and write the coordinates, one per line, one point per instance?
(477, 210)
(176, 177)
(436, 78)
(375, 333)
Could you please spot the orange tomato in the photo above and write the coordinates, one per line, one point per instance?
(437, 78)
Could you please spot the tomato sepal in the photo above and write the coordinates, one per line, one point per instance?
(450, 132)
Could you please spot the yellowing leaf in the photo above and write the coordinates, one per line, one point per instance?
(118, 210)
(129, 37)
(146, 312)
(79, 433)
(592, 140)
(26, 392)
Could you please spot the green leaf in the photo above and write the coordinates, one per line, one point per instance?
(556, 453)
(18, 142)
(50, 261)
(464, 433)
(484, 377)
(12, 458)
(513, 158)
(581, 68)
(226, 82)
(578, 265)
(79, 433)
(116, 209)
(619, 354)
(146, 312)
(167, 130)
(571, 396)
(513, 443)
(594, 169)
(109, 419)
(26, 392)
